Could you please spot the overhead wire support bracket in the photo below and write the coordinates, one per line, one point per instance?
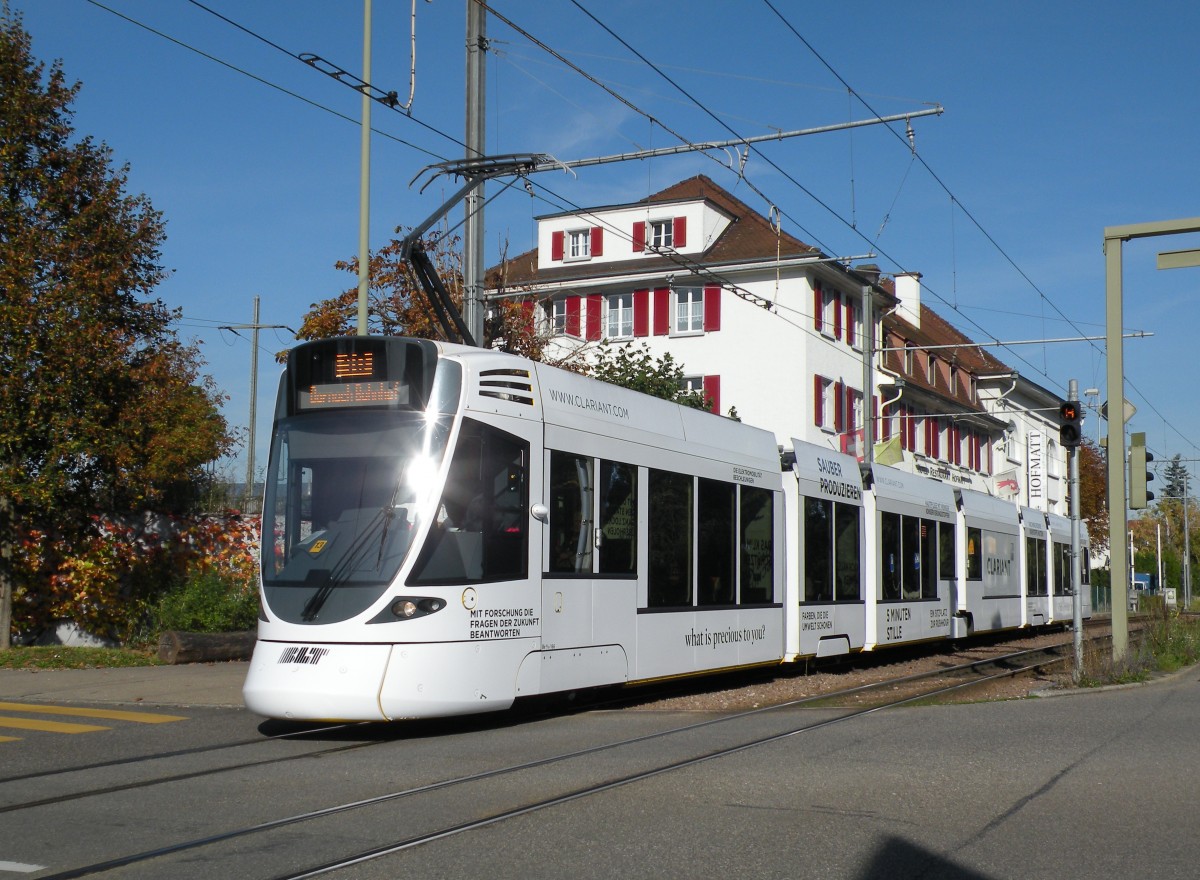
(316, 62)
(736, 142)
(474, 171)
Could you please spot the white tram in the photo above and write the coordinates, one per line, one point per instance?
(449, 528)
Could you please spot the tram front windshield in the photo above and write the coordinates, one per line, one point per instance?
(344, 494)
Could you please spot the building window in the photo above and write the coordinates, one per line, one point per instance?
(831, 313)
(556, 316)
(909, 360)
(620, 316)
(689, 310)
(579, 244)
(854, 331)
(931, 371)
(662, 234)
(824, 405)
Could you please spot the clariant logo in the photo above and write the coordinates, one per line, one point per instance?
(311, 656)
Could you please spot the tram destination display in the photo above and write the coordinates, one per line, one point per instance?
(357, 373)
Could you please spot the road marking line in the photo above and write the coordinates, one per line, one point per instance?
(20, 867)
(81, 712)
(48, 726)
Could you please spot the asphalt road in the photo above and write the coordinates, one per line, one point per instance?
(1093, 785)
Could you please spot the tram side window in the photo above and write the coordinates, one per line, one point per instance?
(890, 556)
(947, 553)
(1062, 569)
(618, 518)
(847, 584)
(908, 557)
(570, 513)
(1035, 567)
(974, 554)
(929, 559)
(669, 536)
(481, 528)
(758, 543)
(717, 542)
(818, 540)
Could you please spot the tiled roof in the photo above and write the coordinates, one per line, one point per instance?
(749, 236)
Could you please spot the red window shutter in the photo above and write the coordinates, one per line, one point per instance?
(818, 306)
(572, 328)
(639, 237)
(641, 313)
(712, 391)
(556, 245)
(662, 311)
(679, 232)
(837, 317)
(849, 323)
(818, 401)
(911, 418)
(712, 308)
(839, 407)
(597, 241)
(594, 307)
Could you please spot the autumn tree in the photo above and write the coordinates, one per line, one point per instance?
(397, 306)
(1093, 482)
(101, 407)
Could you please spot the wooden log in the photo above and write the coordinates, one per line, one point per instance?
(187, 647)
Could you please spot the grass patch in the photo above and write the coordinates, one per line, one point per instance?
(1168, 642)
(61, 657)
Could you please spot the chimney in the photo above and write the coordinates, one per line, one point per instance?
(908, 291)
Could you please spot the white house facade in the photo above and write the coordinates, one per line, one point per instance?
(772, 329)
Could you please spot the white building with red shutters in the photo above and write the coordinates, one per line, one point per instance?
(768, 327)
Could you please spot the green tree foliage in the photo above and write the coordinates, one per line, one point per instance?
(638, 369)
(101, 409)
(1175, 478)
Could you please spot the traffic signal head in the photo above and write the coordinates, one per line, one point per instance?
(1139, 457)
(1070, 433)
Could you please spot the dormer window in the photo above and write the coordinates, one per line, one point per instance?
(577, 244)
(662, 233)
(665, 234)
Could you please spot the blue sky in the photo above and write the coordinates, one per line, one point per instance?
(1060, 119)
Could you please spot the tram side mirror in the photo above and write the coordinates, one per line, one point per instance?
(540, 512)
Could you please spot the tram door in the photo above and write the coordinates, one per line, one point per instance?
(589, 589)
(567, 587)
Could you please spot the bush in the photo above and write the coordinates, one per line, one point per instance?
(208, 601)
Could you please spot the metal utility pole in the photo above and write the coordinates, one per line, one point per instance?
(1118, 523)
(868, 347)
(1076, 574)
(254, 327)
(473, 229)
(364, 183)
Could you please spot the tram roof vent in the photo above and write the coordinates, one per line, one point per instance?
(514, 385)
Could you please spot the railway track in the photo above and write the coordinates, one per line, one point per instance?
(451, 805)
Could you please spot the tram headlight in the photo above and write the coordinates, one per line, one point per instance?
(407, 607)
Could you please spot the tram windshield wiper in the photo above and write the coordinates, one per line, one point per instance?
(343, 569)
